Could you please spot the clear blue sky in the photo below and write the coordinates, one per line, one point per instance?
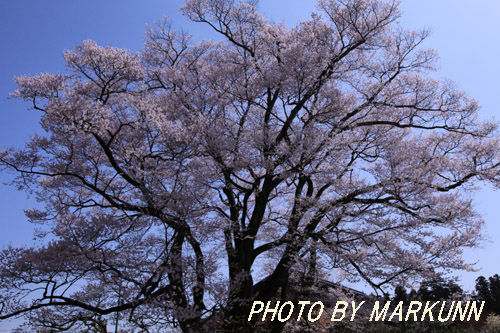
(33, 35)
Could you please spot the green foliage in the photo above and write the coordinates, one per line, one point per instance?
(438, 289)
(488, 290)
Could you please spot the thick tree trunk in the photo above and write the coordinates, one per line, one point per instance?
(239, 305)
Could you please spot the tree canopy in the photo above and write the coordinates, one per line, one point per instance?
(175, 178)
(488, 290)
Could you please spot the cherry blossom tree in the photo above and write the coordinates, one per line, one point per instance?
(174, 179)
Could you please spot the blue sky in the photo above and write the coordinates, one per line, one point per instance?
(33, 35)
